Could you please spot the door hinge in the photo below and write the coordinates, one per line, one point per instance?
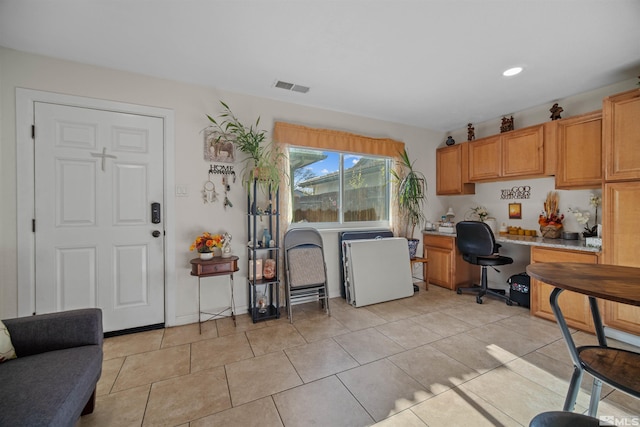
(33, 131)
(33, 225)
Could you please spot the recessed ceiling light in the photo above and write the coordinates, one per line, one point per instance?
(512, 71)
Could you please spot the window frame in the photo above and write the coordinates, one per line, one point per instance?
(341, 224)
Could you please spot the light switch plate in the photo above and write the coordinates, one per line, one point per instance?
(182, 190)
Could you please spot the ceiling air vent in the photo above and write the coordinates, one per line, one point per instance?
(284, 85)
(291, 86)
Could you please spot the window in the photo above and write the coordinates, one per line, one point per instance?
(336, 187)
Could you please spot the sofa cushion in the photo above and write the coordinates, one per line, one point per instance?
(6, 348)
(55, 331)
(49, 388)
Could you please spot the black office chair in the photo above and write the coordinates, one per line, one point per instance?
(478, 246)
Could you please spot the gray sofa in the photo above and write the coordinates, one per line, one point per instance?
(53, 380)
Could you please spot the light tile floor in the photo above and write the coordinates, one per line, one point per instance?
(433, 359)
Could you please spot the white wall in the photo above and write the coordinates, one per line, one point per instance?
(190, 104)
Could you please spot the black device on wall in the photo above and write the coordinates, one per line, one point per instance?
(155, 213)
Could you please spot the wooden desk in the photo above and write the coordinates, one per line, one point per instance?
(616, 367)
(217, 266)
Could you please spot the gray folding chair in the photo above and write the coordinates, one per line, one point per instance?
(306, 271)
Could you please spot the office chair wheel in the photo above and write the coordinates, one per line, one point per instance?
(509, 302)
(479, 300)
(459, 291)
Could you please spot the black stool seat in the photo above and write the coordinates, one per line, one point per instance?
(563, 419)
(478, 246)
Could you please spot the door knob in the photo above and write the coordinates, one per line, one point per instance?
(156, 233)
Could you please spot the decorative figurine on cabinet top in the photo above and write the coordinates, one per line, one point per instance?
(471, 132)
(226, 245)
(507, 124)
(555, 111)
(450, 140)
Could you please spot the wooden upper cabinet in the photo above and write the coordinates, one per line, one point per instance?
(621, 136)
(509, 155)
(523, 152)
(452, 170)
(485, 159)
(579, 141)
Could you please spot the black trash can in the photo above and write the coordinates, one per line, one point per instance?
(519, 289)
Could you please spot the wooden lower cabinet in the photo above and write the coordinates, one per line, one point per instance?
(446, 266)
(575, 307)
(621, 245)
(623, 317)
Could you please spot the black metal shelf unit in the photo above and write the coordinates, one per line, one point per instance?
(264, 293)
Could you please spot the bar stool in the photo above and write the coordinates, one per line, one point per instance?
(563, 419)
(425, 271)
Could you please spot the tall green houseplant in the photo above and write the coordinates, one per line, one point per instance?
(263, 158)
(411, 188)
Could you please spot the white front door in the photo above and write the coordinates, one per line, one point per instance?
(97, 173)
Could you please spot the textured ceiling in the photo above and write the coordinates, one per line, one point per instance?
(435, 64)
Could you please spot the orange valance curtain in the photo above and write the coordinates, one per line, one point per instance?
(327, 139)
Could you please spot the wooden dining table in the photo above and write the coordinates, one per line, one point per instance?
(617, 367)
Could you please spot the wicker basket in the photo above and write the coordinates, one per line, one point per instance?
(550, 231)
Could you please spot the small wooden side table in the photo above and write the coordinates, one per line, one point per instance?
(217, 266)
(425, 269)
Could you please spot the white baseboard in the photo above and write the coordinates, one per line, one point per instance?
(193, 318)
(622, 336)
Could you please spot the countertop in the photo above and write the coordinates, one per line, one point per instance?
(577, 245)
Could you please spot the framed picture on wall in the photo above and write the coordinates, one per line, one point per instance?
(218, 147)
(515, 211)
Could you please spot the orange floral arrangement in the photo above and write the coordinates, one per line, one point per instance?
(206, 242)
(550, 216)
(550, 219)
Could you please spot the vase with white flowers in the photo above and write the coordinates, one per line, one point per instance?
(583, 217)
(481, 212)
